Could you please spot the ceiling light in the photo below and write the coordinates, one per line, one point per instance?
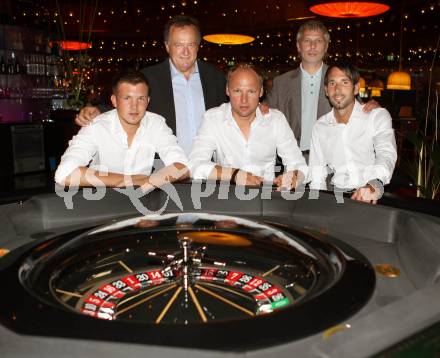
(73, 45)
(228, 39)
(399, 80)
(376, 84)
(301, 18)
(362, 84)
(349, 9)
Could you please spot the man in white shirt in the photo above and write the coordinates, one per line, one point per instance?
(245, 142)
(118, 150)
(358, 148)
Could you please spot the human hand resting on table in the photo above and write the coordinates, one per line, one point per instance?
(289, 180)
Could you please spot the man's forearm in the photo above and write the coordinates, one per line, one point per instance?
(221, 173)
(169, 174)
(235, 175)
(84, 176)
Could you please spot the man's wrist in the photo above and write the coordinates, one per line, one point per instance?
(234, 175)
(377, 186)
(376, 183)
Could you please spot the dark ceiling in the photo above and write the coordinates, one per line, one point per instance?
(132, 30)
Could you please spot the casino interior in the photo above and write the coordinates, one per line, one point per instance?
(210, 269)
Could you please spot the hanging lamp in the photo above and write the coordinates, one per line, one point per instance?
(228, 39)
(399, 80)
(362, 84)
(376, 86)
(73, 45)
(349, 9)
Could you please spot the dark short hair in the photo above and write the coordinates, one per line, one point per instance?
(351, 72)
(130, 76)
(181, 21)
(245, 66)
(313, 25)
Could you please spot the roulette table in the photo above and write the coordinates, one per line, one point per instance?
(208, 270)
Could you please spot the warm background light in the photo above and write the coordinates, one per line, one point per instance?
(73, 45)
(376, 86)
(228, 39)
(349, 9)
(362, 84)
(375, 92)
(362, 87)
(399, 80)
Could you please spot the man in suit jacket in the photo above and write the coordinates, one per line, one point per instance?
(182, 88)
(161, 97)
(286, 96)
(299, 93)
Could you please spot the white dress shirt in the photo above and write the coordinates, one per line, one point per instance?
(219, 134)
(103, 144)
(364, 149)
(310, 86)
(189, 104)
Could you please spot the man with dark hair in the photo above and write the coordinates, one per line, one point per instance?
(130, 76)
(299, 93)
(243, 141)
(358, 148)
(182, 87)
(118, 148)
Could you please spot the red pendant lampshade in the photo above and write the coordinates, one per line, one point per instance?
(349, 9)
(74, 45)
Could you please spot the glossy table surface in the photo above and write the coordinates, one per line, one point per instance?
(399, 307)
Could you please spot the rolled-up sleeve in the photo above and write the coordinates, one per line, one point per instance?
(204, 145)
(287, 147)
(385, 150)
(317, 164)
(80, 152)
(166, 144)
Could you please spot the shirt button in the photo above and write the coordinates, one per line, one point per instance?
(311, 92)
(311, 84)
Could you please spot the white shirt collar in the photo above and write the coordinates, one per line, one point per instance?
(356, 109)
(116, 126)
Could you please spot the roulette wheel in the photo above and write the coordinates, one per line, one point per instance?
(261, 275)
(225, 280)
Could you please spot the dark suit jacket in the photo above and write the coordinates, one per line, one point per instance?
(161, 89)
(286, 96)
